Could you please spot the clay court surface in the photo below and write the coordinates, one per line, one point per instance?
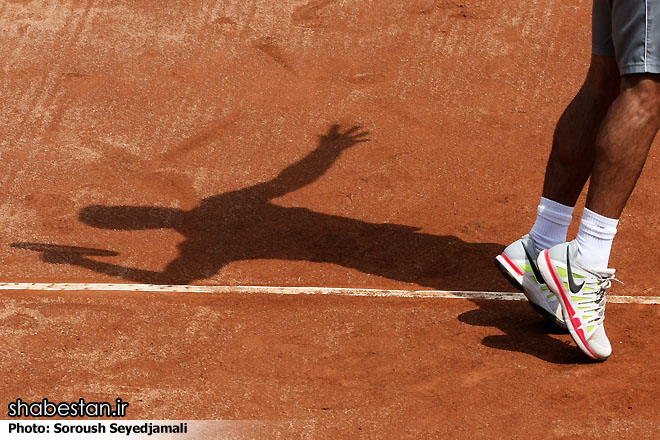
(216, 143)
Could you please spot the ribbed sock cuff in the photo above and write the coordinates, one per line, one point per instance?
(551, 226)
(594, 239)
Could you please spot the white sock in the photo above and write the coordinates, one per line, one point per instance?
(551, 226)
(595, 240)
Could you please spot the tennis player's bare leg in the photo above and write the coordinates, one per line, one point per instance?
(621, 148)
(567, 171)
(573, 146)
(623, 144)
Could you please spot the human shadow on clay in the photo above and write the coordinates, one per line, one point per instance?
(246, 225)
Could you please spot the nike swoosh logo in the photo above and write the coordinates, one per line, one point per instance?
(535, 269)
(571, 282)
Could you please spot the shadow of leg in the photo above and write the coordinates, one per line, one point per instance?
(524, 332)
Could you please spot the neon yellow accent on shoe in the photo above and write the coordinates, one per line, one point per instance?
(586, 298)
(549, 296)
(526, 267)
(544, 288)
(564, 273)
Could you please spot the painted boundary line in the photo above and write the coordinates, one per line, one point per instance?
(448, 294)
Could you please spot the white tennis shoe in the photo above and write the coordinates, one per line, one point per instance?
(518, 263)
(582, 294)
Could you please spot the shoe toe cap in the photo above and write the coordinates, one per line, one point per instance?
(601, 347)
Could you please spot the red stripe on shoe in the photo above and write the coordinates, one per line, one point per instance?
(571, 312)
(513, 266)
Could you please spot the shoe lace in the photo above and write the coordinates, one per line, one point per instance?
(600, 297)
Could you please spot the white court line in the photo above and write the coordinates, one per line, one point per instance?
(451, 294)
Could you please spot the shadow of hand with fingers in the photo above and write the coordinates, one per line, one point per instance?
(246, 225)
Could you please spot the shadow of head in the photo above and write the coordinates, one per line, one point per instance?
(59, 254)
(130, 217)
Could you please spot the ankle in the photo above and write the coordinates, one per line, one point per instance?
(594, 239)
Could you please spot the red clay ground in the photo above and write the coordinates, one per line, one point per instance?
(184, 138)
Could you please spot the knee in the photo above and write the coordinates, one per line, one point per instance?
(644, 91)
(603, 80)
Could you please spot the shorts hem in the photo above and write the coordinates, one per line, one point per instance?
(639, 68)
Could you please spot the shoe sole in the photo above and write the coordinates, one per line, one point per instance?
(504, 265)
(551, 279)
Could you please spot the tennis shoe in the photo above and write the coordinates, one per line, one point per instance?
(582, 294)
(518, 264)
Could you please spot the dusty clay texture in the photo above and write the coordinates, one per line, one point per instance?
(378, 144)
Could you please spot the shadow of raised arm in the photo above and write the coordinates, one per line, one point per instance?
(314, 165)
